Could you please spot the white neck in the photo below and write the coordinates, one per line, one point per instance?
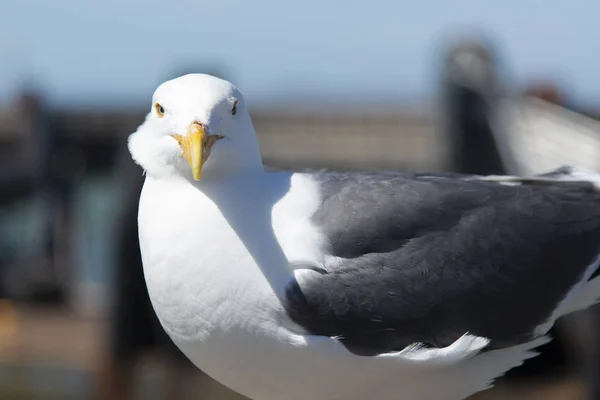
(246, 201)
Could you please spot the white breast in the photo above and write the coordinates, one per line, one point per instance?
(195, 286)
(218, 306)
(213, 300)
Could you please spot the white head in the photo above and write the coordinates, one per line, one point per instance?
(198, 127)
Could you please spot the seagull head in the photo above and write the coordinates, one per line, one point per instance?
(198, 127)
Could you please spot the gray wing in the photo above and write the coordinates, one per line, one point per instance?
(426, 259)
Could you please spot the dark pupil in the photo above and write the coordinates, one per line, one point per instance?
(161, 110)
(234, 109)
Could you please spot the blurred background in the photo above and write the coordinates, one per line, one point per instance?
(465, 86)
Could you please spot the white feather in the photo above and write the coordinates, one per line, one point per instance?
(216, 256)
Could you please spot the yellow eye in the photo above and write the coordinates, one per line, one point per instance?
(160, 110)
(234, 108)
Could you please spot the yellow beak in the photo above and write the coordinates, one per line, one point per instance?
(193, 146)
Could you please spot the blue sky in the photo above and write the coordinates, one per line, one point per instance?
(89, 52)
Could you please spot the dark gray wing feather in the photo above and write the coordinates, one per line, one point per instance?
(429, 258)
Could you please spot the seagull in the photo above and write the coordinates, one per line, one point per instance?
(349, 285)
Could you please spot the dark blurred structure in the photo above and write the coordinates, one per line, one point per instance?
(37, 165)
(470, 91)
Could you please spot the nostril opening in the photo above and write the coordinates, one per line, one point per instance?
(200, 124)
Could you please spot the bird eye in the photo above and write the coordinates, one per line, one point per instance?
(234, 108)
(160, 110)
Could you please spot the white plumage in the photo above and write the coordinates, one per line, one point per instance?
(216, 257)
